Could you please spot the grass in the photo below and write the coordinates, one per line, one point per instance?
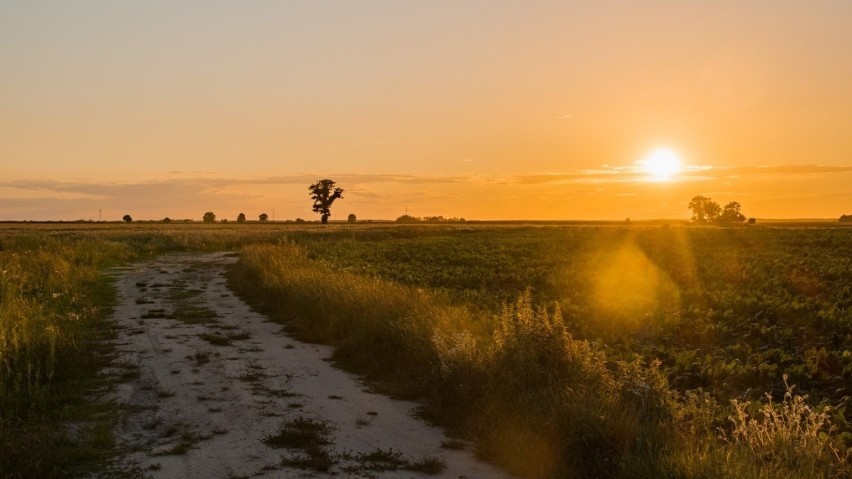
(312, 457)
(523, 379)
(300, 433)
(441, 314)
(216, 339)
(55, 300)
(53, 341)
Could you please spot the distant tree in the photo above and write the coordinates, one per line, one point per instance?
(167, 220)
(299, 220)
(324, 192)
(126, 219)
(731, 214)
(241, 218)
(263, 217)
(752, 221)
(209, 217)
(704, 210)
(845, 218)
(352, 218)
(408, 219)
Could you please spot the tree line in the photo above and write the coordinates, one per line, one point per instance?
(705, 210)
(323, 193)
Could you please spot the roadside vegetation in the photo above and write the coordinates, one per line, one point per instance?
(581, 351)
(591, 352)
(55, 338)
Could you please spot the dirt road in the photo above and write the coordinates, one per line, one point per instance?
(211, 389)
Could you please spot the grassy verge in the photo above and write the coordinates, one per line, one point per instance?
(533, 398)
(54, 305)
(55, 301)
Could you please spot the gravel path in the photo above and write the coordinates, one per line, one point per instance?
(210, 389)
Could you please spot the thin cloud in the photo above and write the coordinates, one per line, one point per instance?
(783, 170)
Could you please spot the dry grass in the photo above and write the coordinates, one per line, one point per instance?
(533, 398)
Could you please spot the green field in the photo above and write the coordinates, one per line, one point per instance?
(562, 350)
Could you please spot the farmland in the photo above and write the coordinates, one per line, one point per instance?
(563, 351)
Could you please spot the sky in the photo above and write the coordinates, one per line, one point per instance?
(476, 109)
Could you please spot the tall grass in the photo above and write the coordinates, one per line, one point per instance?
(534, 399)
(52, 332)
(54, 337)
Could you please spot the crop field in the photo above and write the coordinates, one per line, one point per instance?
(561, 351)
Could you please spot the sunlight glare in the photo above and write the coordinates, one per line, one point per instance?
(661, 164)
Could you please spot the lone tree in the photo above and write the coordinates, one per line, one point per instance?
(209, 217)
(263, 217)
(241, 218)
(323, 192)
(352, 218)
(126, 218)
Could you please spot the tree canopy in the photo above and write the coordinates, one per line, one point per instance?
(705, 210)
(209, 217)
(324, 192)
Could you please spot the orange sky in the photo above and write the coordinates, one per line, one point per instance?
(482, 110)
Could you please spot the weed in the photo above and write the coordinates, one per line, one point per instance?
(427, 465)
(382, 460)
(190, 313)
(200, 356)
(789, 434)
(300, 433)
(313, 457)
(362, 420)
(215, 339)
(164, 393)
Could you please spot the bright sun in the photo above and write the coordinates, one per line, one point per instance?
(661, 164)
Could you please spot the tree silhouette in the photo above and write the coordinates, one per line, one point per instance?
(126, 219)
(731, 213)
(704, 210)
(324, 192)
(209, 217)
(241, 218)
(352, 218)
(263, 217)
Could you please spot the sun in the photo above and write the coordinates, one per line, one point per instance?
(661, 164)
